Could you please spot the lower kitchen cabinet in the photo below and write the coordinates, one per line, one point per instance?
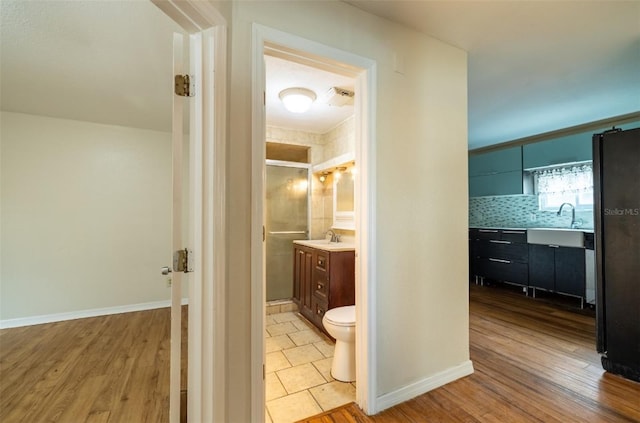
(542, 267)
(557, 269)
(570, 271)
(322, 280)
(500, 254)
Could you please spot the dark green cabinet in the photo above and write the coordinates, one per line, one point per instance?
(496, 173)
(507, 183)
(557, 269)
(569, 149)
(499, 161)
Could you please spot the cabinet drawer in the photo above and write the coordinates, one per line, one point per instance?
(486, 233)
(504, 270)
(321, 260)
(505, 250)
(320, 284)
(514, 235)
(319, 308)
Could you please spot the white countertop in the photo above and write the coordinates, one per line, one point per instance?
(588, 230)
(324, 244)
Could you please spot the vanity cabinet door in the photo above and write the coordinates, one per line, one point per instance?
(302, 277)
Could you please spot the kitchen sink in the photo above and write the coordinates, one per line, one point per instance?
(556, 236)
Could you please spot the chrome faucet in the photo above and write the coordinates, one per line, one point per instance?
(334, 237)
(574, 224)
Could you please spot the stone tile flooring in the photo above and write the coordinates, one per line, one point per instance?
(298, 371)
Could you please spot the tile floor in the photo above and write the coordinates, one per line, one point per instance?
(298, 371)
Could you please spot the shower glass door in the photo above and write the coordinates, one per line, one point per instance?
(287, 207)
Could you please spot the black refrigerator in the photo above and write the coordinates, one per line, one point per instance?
(616, 166)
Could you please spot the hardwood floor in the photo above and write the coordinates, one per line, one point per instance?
(103, 369)
(534, 362)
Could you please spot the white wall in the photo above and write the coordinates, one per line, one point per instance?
(422, 261)
(86, 212)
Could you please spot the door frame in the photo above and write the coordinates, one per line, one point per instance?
(364, 71)
(207, 29)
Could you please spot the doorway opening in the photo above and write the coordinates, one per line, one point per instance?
(323, 168)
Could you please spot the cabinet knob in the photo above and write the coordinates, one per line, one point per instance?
(319, 286)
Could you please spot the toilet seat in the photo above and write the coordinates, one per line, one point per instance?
(341, 316)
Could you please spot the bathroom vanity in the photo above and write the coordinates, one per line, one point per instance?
(323, 277)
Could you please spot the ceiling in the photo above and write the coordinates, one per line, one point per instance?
(96, 61)
(534, 66)
(322, 117)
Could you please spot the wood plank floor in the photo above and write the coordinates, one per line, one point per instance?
(103, 369)
(534, 362)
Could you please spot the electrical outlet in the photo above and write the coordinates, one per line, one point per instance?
(169, 282)
(533, 217)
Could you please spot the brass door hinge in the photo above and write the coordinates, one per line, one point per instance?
(184, 86)
(182, 261)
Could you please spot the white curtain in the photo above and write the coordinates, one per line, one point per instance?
(565, 180)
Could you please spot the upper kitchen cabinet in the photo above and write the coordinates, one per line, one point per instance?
(569, 149)
(496, 173)
(506, 160)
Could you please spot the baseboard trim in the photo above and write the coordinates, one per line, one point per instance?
(72, 315)
(425, 385)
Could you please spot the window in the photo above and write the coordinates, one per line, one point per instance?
(571, 184)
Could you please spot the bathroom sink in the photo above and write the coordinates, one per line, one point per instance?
(556, 236)
(324, 244)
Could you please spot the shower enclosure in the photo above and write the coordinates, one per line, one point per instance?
(287, 219)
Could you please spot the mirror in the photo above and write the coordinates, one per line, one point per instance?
(343, 170)
(344, 198)
(344, 194)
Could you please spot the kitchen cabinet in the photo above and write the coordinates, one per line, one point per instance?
(496, 173)
(506, 183)
(499, 161)
(500, 254)
(557, 269)
(322, 280)
(572, 148)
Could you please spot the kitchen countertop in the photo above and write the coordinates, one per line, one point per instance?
(324, 244)
(587, 230)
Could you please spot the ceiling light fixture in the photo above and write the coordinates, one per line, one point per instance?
(297, 100)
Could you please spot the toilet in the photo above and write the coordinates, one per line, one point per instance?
(340, 322)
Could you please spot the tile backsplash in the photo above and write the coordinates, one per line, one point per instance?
(520, 211)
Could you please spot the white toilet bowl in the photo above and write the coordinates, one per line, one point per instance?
(340, 322)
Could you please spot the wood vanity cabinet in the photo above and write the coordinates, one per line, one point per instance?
(322, 280)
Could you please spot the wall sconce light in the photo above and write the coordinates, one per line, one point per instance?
(323, 177)
(339, 172)
(297, 100)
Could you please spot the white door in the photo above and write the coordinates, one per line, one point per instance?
(198, 230)
(179, 243)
